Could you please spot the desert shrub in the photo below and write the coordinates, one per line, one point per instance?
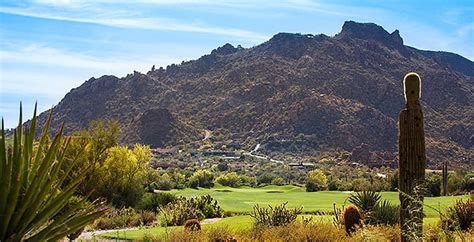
(332, 183)
(192, 225)
(468, 182)
(182, 209)
(459, 216)
(222, 166)
(153, 201)
(433, 186)
(316, 181)
(147, 218)
(365, 201)
(230, 179)
(279, 215)
(361, 184)
(352, 218)
(163, 183)
(455, 182)
(295, 232)
(384, 213)
(201, 178)
(219, 233)
(118, 218)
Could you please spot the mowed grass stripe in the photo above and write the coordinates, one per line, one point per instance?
(242, 200)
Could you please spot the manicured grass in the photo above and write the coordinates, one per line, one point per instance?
(237, 223)
(242, 200)
(233, 223)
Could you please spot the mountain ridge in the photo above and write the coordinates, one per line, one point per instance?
(297, 93)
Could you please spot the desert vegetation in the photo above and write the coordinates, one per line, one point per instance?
(97, 184)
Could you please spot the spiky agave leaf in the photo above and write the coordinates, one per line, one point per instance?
(31, 187)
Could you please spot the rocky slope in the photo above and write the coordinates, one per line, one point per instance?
(292, 93)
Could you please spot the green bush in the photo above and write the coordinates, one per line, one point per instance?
(279, 215)
(361, 184)
(154, 201)
(201, 178)
(248, 181)
(230, 179)
(176, 213)
(433, 186)
(316, 181)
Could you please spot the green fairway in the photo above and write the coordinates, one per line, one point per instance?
(243, 199)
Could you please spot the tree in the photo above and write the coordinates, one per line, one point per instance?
(123, 175)
(201, 178)
(316, 180)
(89, 148)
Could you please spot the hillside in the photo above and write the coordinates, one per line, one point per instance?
(293, 93)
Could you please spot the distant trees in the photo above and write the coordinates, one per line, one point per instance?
(316, 181)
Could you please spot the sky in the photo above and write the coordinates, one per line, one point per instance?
(48, 47)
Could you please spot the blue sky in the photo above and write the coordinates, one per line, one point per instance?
(48, 47)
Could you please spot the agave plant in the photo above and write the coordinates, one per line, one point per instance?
(34, 189)
(385, 213)
(365, 201)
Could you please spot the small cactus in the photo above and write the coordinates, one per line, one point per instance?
(445, 178)
(411, 158)
(352, 217)
(192, 225)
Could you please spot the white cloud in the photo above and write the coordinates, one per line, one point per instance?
(74, 68)
(151, 23)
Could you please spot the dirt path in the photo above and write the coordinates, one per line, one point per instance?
(92, 235)
(210, 220)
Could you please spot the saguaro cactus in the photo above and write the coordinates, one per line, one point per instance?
(411, 158)
(445, 178)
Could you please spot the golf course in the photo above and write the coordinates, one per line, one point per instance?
(240, 201)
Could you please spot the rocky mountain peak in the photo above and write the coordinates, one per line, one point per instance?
(224, 50)
(372, 31)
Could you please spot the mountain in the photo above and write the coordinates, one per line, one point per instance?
(293, 93)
